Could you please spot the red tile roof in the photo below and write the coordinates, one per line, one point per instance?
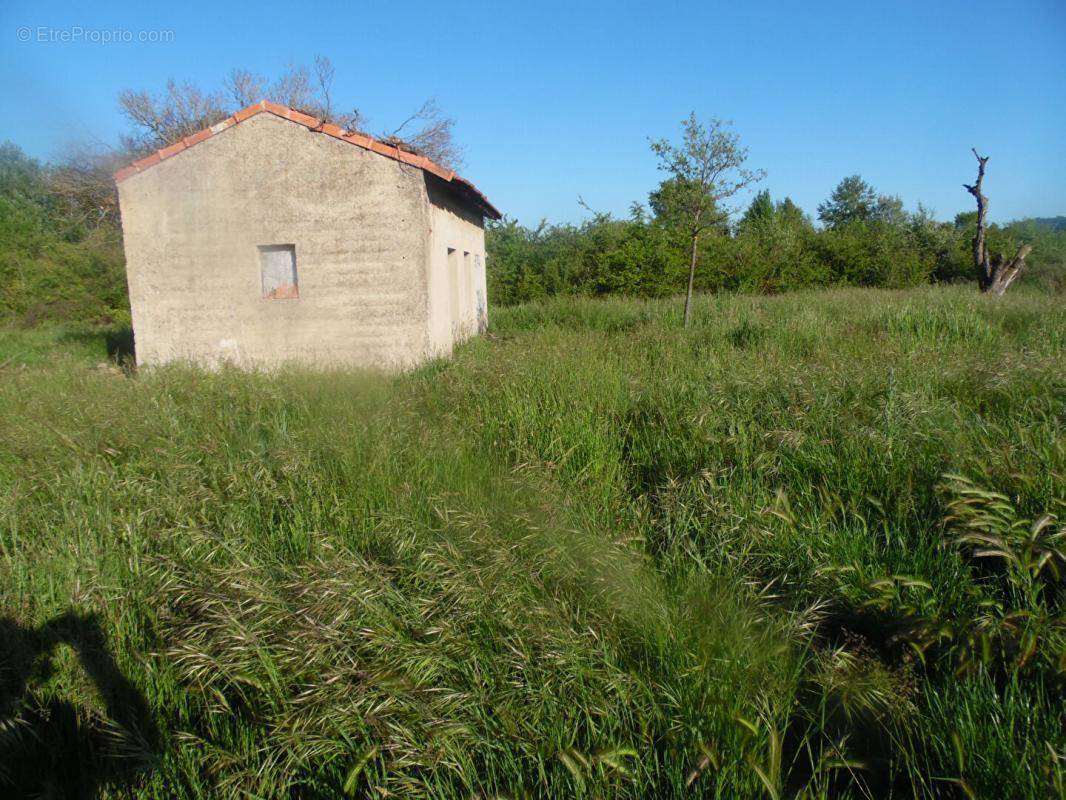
(463, 186)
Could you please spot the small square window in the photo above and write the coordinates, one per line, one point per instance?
(277, 263)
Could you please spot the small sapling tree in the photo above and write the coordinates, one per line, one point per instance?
(706, 168)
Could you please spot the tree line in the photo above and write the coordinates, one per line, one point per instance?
(864, 239)
(774, 248)
(684, 238)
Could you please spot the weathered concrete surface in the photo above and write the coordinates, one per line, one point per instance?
(458, 278)
(366, 235)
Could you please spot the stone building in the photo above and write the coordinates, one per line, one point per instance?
(272, 238)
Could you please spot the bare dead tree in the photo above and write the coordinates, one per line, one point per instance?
(996, 273)
(182, 110)
(82, 184)
(324, 74)
(245, 88)
(434, 139)
(295, 88)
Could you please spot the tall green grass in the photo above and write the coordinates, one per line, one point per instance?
(591, 555)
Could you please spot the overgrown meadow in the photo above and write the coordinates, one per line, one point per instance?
(812, 546)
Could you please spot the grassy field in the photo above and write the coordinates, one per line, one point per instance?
(802, 548)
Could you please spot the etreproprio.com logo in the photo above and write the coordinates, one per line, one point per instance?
(76, 34)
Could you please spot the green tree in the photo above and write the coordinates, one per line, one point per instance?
(760, 212)
(792, 216)
(669, 207)
(51, 267)
(889, 210)
(773, 248)
(852, 200)
(873, 253)
(707, 167)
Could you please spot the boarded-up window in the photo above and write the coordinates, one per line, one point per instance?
(277, 262)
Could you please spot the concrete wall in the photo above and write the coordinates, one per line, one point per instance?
(362, 226)
(458, 297)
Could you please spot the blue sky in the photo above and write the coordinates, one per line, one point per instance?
(556, 100)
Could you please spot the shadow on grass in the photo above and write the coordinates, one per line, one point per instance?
(116, 341)
(119, 343)
(48, 746)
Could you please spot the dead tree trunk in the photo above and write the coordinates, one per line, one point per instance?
(994, 274)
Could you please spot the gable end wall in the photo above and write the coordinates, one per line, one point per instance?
(359, 221)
